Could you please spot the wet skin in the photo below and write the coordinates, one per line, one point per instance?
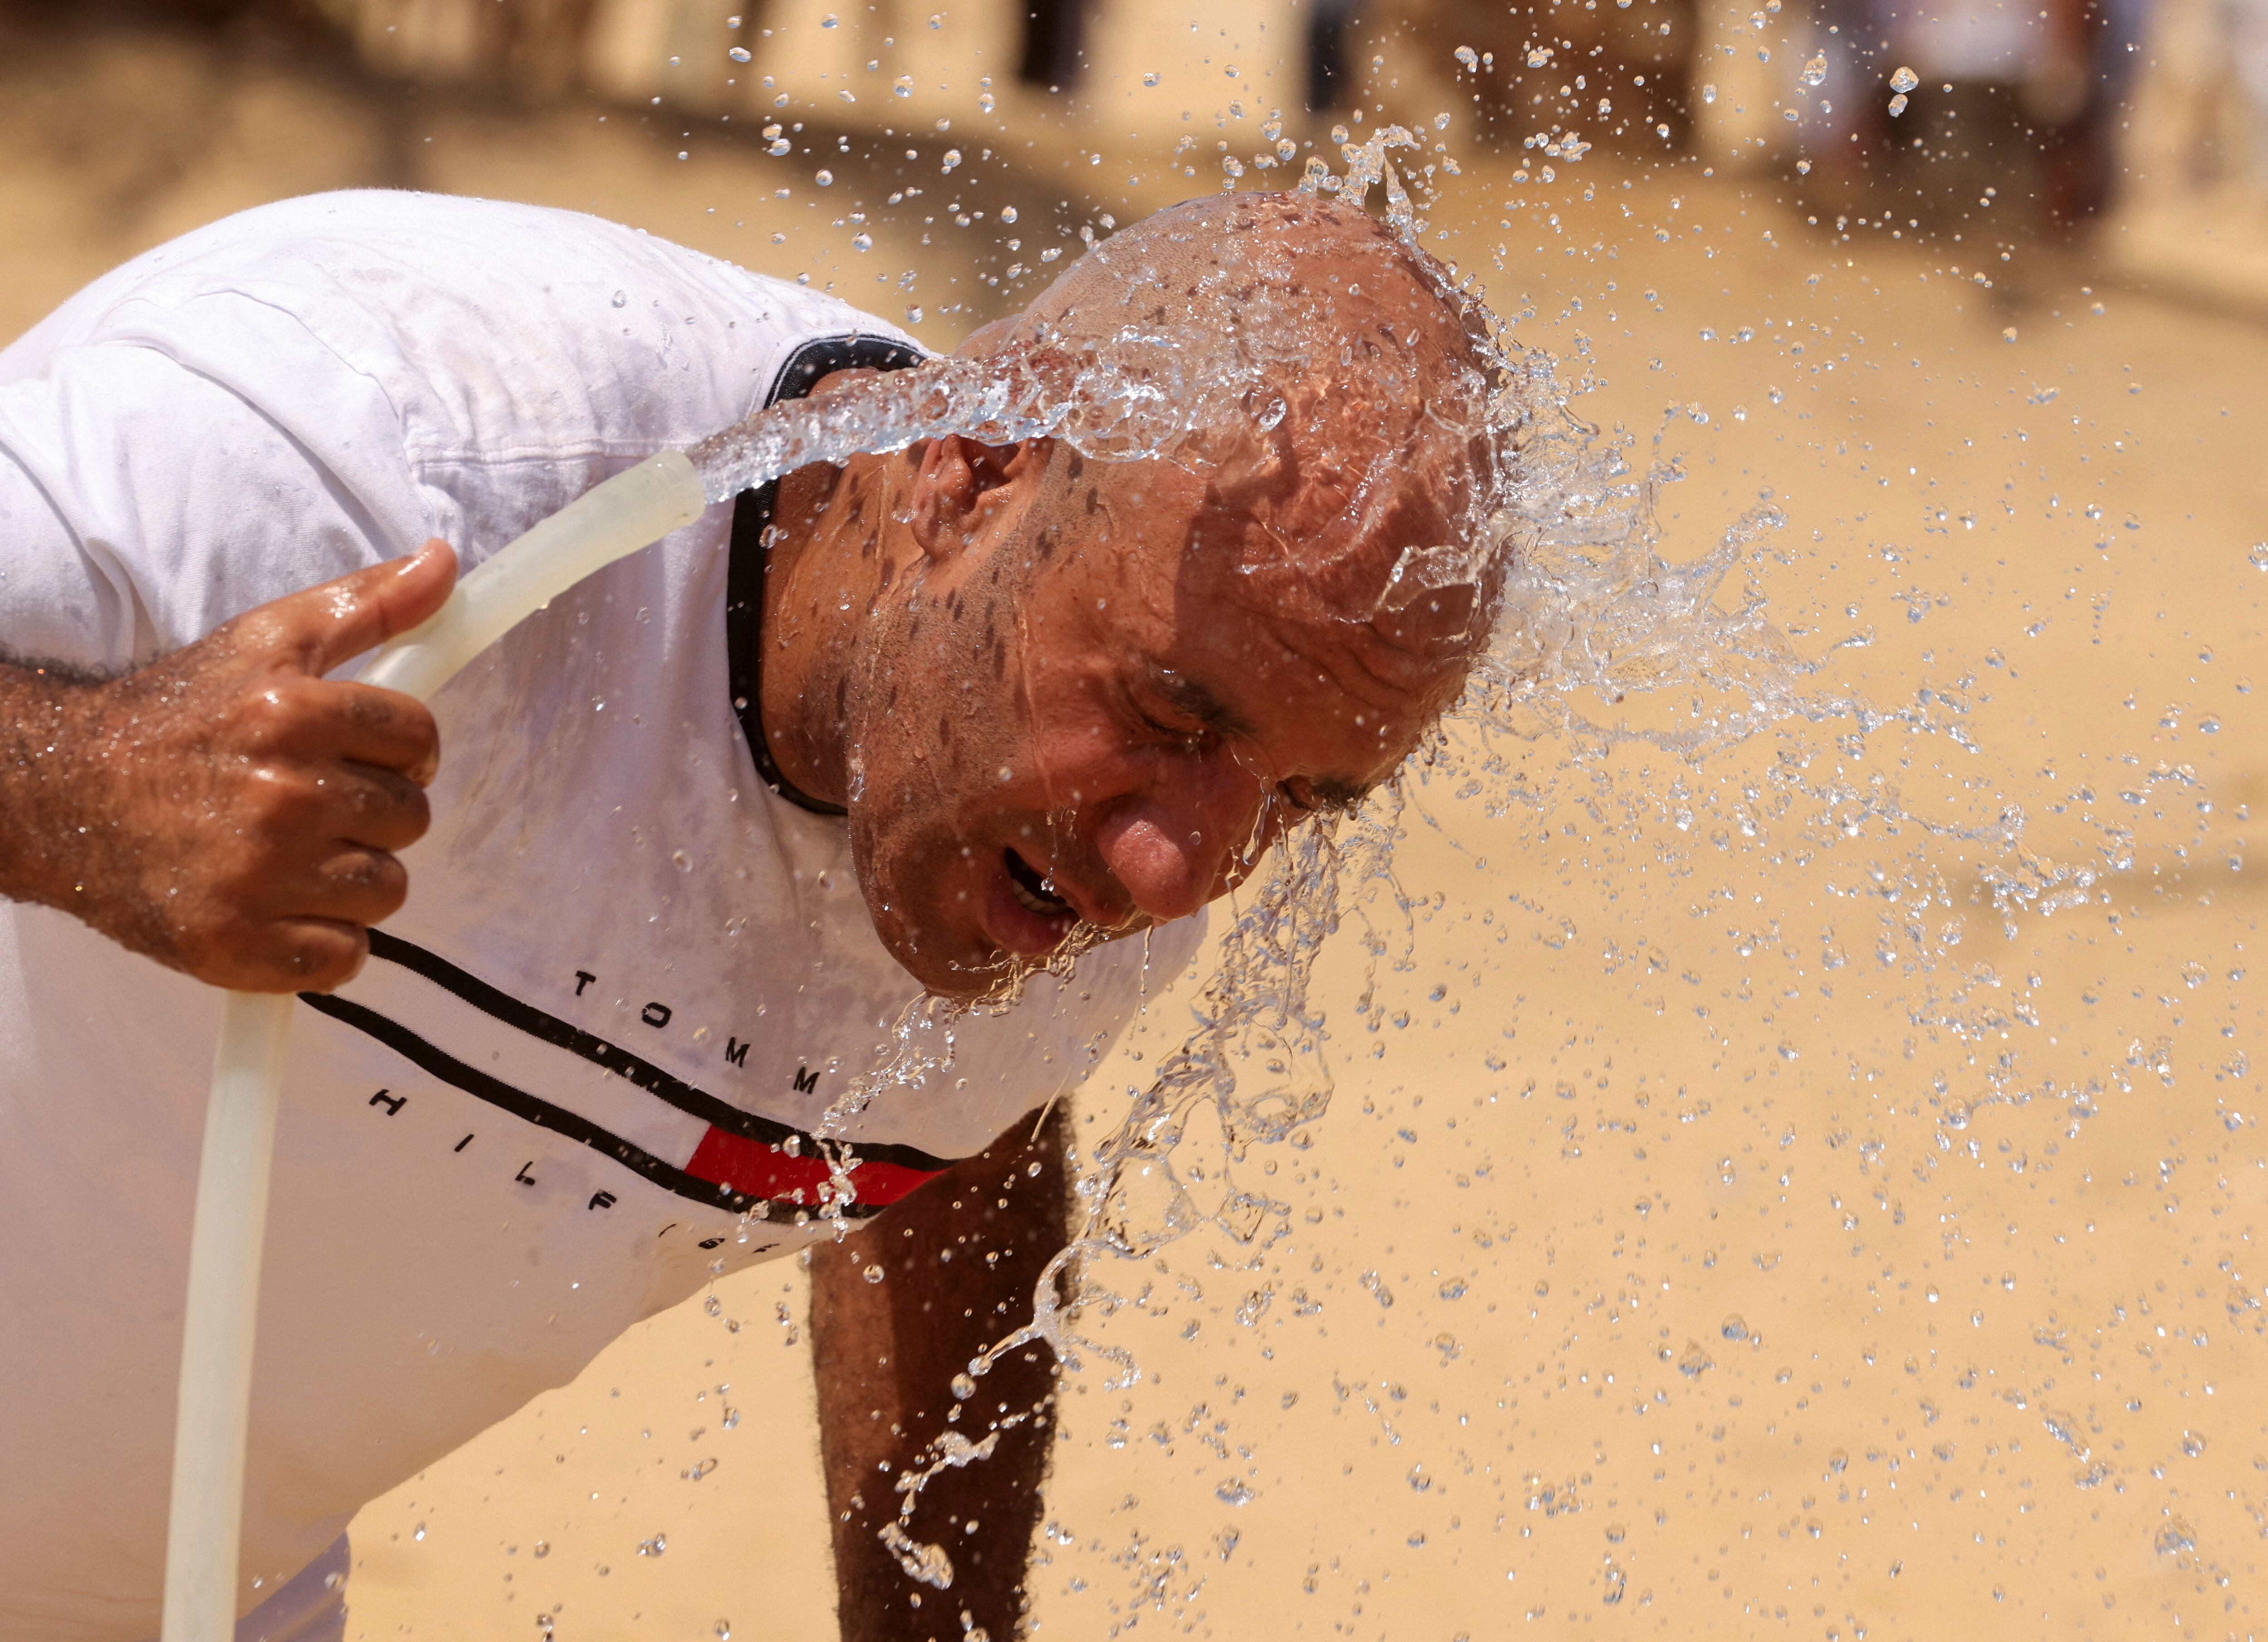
(1021, 669)
(1053, 689)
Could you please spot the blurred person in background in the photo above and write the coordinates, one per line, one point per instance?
(2012, 129)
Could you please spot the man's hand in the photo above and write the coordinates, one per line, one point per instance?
(227, 810)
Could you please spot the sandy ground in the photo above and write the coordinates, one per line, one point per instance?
(1736, 1225)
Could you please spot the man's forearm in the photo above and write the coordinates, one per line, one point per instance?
(958, 1263)
(43, 746)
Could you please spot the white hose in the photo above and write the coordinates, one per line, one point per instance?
(610, 522)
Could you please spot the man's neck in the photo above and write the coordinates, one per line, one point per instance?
(825, 570)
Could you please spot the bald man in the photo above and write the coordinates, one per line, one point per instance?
(692, 838)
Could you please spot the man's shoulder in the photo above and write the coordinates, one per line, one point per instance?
(479, 330)
(374, 271)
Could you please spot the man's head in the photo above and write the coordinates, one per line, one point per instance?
(1094, 682)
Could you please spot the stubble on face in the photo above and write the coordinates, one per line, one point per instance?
(1120, 662)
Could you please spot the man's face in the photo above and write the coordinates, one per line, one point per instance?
(1088, 707)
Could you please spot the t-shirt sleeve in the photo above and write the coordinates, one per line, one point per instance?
(143, 503)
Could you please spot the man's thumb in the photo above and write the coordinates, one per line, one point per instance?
(342, 618)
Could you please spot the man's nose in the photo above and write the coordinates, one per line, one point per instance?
(1168, 856)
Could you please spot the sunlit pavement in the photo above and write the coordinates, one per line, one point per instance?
(1722, 1287)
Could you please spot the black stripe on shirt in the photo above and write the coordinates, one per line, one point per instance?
(542, 1112)
(550, 1029)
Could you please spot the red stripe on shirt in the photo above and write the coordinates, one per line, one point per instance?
(762, 1170)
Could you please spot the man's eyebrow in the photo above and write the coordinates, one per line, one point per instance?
(1339, 792)
(1200, 703)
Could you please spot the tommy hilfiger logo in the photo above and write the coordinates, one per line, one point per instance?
(653, 1123)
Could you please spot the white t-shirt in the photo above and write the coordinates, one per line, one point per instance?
(630, 978)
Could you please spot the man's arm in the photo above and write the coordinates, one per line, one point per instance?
(226, 810)
(958, 1261)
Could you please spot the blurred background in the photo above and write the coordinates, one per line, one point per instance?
(1741, 1211)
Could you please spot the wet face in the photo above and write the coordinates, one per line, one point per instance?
(1089, 700)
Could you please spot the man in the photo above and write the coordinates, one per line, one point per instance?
(700, 831)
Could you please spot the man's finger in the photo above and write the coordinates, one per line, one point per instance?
(308, 955)
(354, 886)
(341, 619)
(368, 726)
(376, 808)
(293, 955)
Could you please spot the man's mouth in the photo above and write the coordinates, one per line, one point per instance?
(1034, 892)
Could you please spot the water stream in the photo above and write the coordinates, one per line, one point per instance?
(1591, 610)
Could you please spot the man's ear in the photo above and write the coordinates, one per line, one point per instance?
(953, 477)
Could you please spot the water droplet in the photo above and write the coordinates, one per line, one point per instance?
(829, 21)
(543, 1548)
(951, 159)
(1905, 80)
(1839, 1462)
(654, 1547)
(741, 53)
(1150, 80)
(2175, 1537)
(824, 179)
(623, 298)
(963, 1386)
(985, 103)
(1733, 1328)
(1815, 71)
(723, 1630)
(1007, 213)
(1695, 1362)
(1234, 1492)
(1470, 58)
(1708, 92)
(779, 145)
(2259, 556)
(1538, 55)
(418, 1533)
(1898, 103)
(872, 1274)
(862, 242)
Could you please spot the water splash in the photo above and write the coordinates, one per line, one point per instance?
(1587, 613)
